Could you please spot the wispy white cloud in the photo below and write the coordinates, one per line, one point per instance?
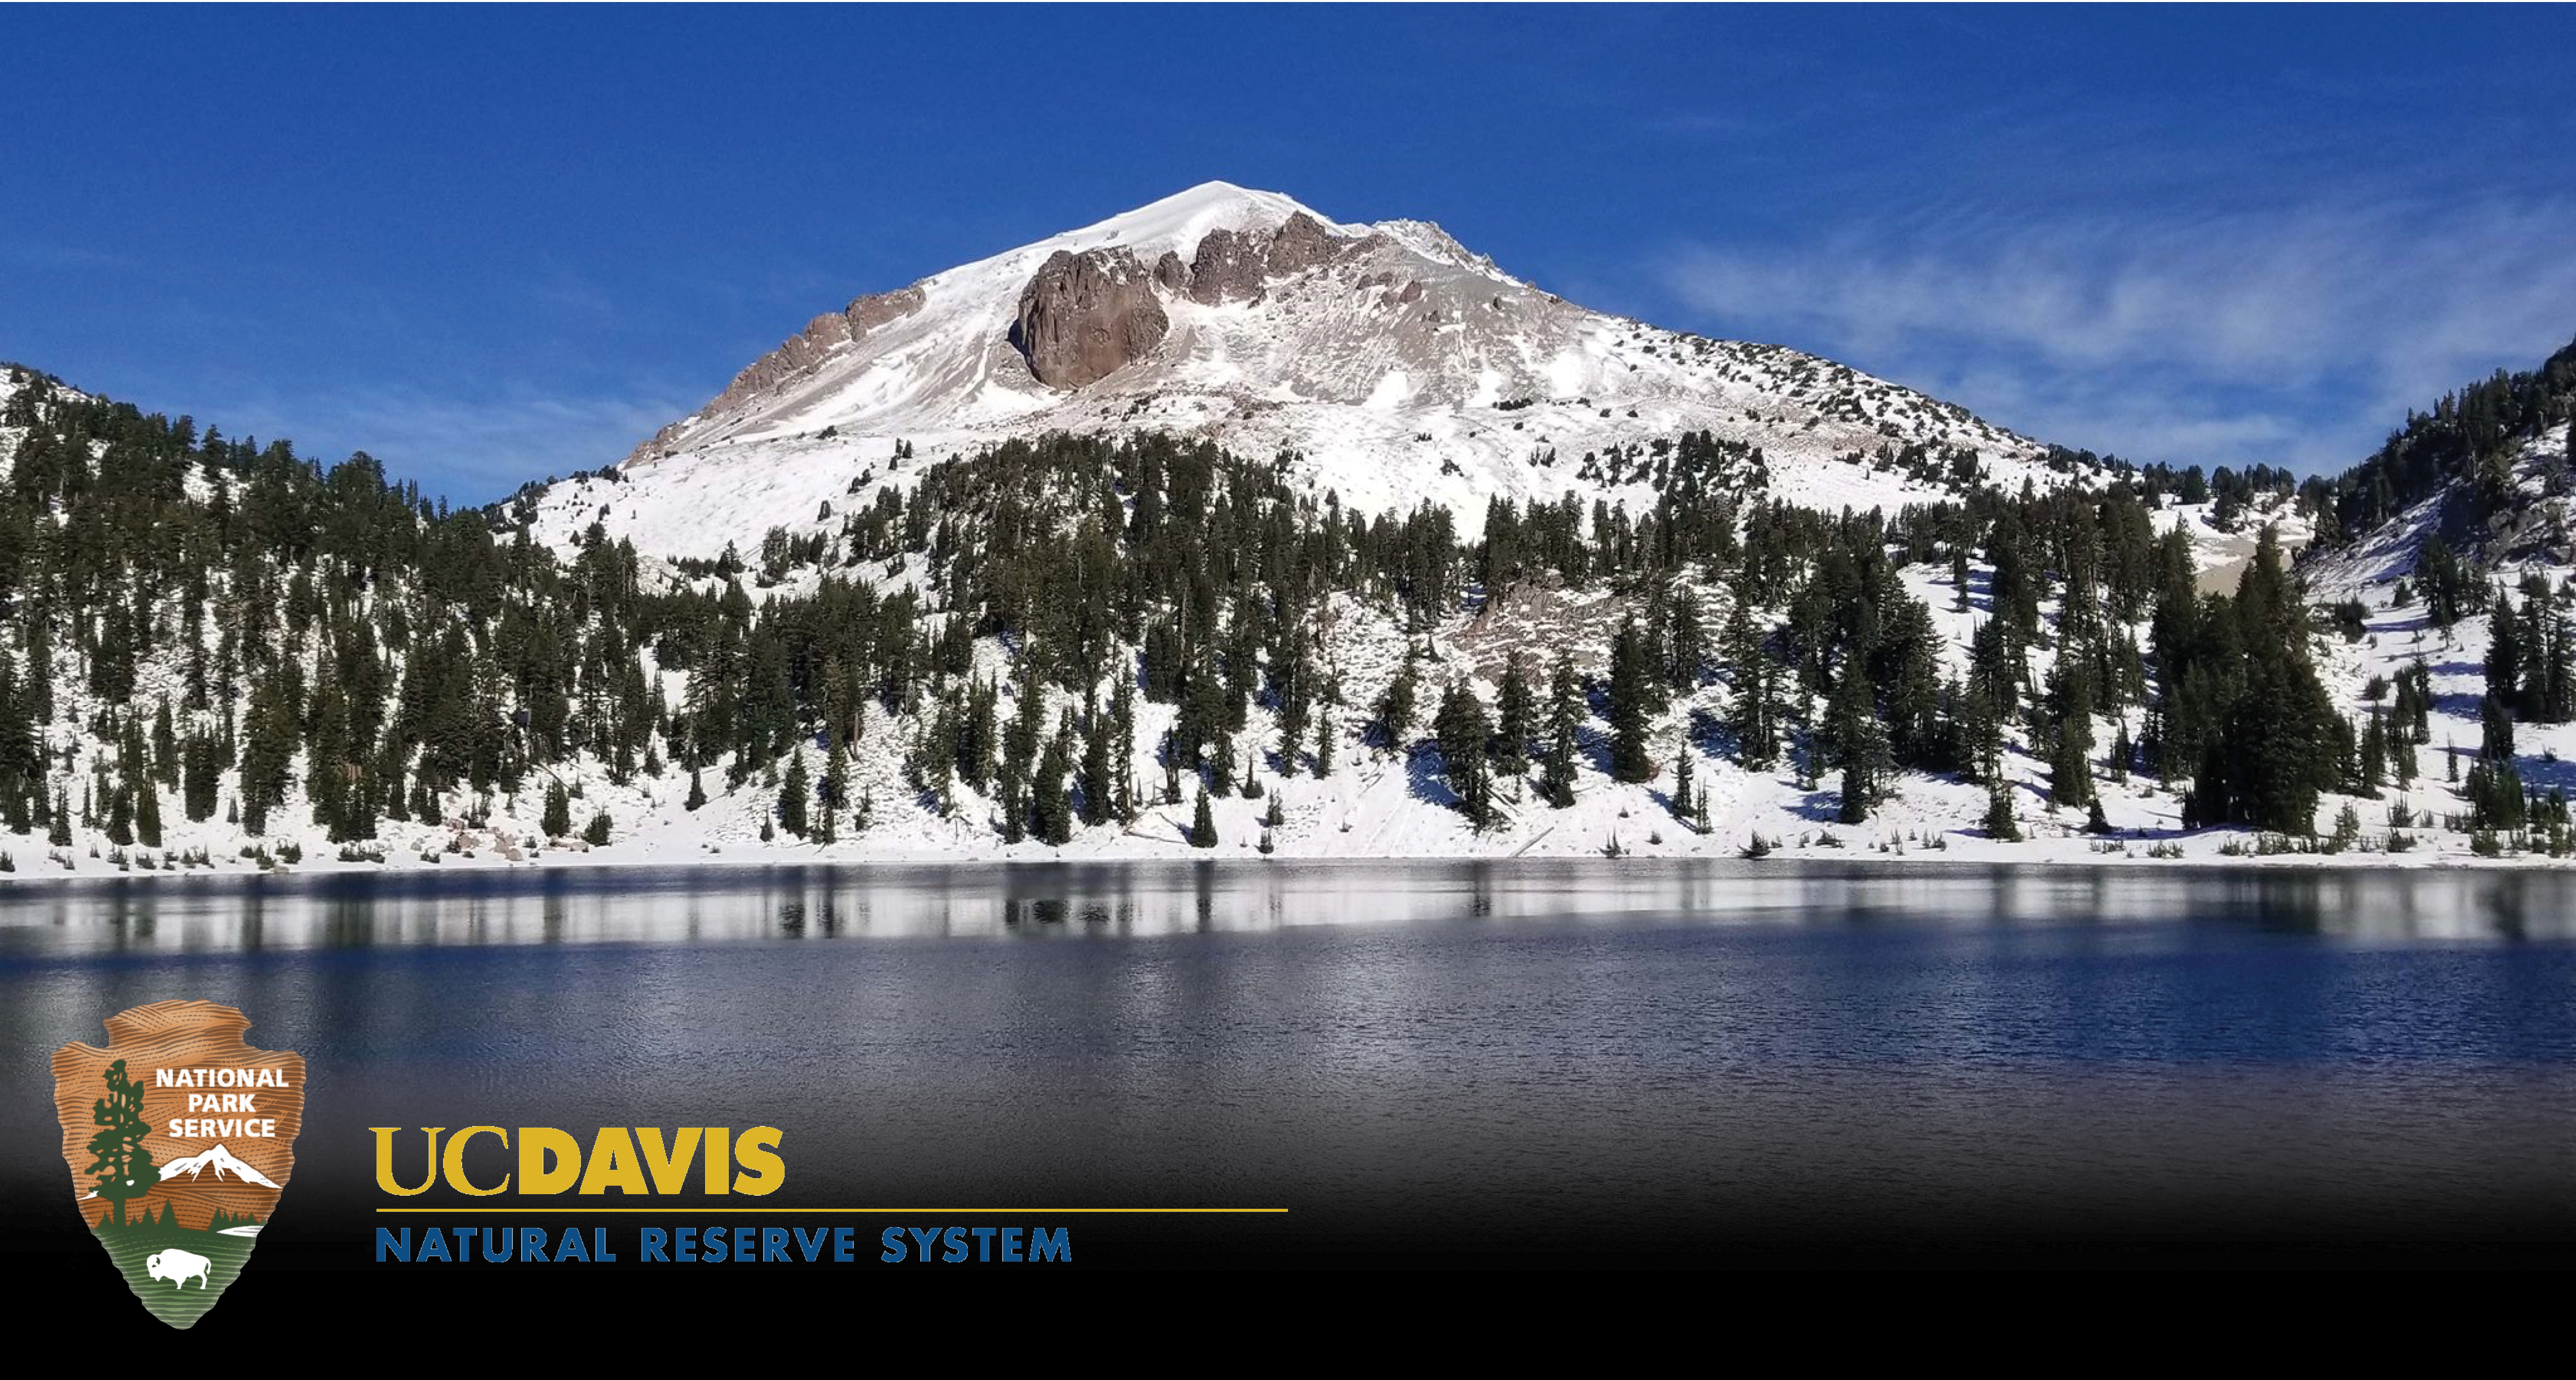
(2294, 336)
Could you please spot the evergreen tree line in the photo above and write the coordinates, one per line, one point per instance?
(330, 630)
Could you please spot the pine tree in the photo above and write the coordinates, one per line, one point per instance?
(147, 813)
(1999, 814)
(1122, 735)
(1395, 709)
(1856, 743)
(1203, 824)
(2070, 757)
(2504, 651)
(1565, 712)
(1685, 644)
(1220, 774)
(1462, 731)
(1516, 723)
(1096, 790)
(2557, 695)
(556, 822)
(1631, 701)
(2495, 743)
(793, 792)
(1050, 811)
(697, 791)
(834, 795)
(1683, 804)
(165, 746)
(21, 764)
(2374, 757)
(1752, 713)
(1857, 792)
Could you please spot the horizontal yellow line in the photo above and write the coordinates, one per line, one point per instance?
(925, 1212)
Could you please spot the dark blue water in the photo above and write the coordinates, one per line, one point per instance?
(1737, 1059)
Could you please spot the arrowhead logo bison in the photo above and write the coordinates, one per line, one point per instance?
(180, 1138)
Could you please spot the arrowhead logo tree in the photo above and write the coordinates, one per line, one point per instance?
(124, 1168)
(180, 1138)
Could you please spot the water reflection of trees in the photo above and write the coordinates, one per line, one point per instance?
(713, 906)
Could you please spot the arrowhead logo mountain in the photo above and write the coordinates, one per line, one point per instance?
(180, 1138)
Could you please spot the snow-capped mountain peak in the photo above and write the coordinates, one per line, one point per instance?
(1399, 364)
(221, 1161)
(1179, 221)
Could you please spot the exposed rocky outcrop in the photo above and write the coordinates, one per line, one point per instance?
(1086, 316)
(1227, 268)
(796, 357)
(876, 309)
(1238, 266)
(1301, 243)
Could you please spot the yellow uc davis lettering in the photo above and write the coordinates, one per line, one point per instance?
(638, 1160)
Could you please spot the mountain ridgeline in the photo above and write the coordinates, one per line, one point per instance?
(2468, 459)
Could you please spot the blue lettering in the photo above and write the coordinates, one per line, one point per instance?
(687, 1250)
(841, 1237)
(892, 1238)
(433, 1246)
(813, 1248)
(1010, 1243)
(499, 1247)
(1049, 1243)
(956, 1239)
(773, 1244)
(387, 1239)
(651, 1237)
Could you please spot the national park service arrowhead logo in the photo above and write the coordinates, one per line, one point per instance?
(180, 1138)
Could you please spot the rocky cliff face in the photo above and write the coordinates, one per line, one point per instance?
(798, 356)
(1227, 267)
(1086, 316)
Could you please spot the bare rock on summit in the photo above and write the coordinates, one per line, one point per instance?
(1086, 316)
(1227, 267)
(1300, 244)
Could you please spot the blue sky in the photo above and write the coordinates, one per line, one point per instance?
(491, 244)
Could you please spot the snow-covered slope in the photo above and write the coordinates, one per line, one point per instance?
(1397, 363)
(2531, 531)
